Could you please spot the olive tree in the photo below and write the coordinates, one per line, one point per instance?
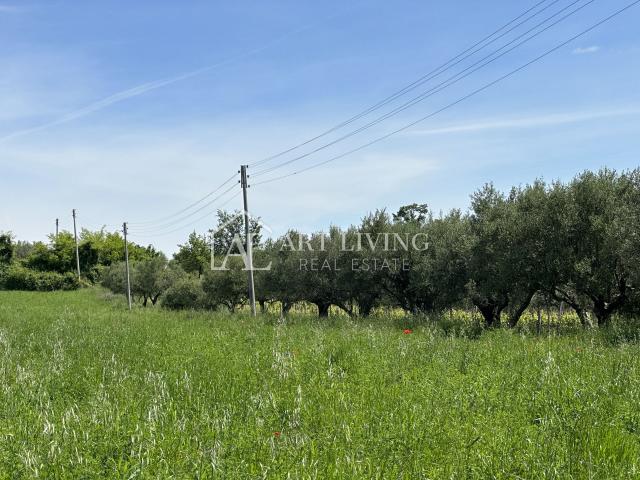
(598, 268)
(152, 277)
(226, 287)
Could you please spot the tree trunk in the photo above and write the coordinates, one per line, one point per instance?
(602, 313)
(573, 302)
(514, 318)
(491, 315)
(348, 309)
(365, 309)
(323, 309)
(583, 315)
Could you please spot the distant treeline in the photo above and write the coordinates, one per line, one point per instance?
(575, 243)
(52, 266)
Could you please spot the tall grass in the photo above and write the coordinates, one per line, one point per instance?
(89, 390)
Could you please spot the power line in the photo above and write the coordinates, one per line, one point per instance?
(174, 222)
(460, 100)
(437, 71)
(420, 81)
(149, 225)
(162, 219)
(441, 86)
(193, 222)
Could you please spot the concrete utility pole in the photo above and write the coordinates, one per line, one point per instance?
(249, 241)
(126, 261)
(75, 235)
(57, 225)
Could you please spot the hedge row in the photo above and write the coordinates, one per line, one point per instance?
(17, 277)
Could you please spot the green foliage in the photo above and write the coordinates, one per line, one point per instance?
(17, 277)
(96, 250)
(280, 282)
(185, 294)
(195, 255)
(57, 256)
(599, 230)
(6, 248)
(231, 226)
(115, 278)
(22, 249)
(228, 288)
(413, 213)
(575, 244)
(152, 277)
(109, 247)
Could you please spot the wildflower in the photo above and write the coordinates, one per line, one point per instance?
(407, 331)
(277, 434)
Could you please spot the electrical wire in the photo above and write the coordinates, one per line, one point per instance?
(219, 64)
(460, 100)
(475, 48)
(182, 227)
(169, 224)
(162, 219)
(442, 86)
(436, 72)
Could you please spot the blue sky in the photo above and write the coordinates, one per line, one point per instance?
(133, 110)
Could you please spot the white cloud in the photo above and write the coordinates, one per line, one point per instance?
(9, 9)
(140, 175)
(586, 50)
(148, 86)
(526, 122)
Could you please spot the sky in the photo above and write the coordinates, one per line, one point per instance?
(132, 111)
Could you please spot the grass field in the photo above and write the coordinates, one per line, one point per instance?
(90, 390)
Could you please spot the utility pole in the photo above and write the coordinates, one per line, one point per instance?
(249, 240)
(57, 224)
(75, 235)
(126, 261)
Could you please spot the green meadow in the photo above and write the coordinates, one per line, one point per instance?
(90, 390)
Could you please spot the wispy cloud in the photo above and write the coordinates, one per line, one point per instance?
(527, 122)
(149, 86)
(586, 50)
(9, 9)
(105, 102)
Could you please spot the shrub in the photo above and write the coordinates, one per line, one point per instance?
(185, 293)
(228, 288)
(114, 278)
(20, 278)
(152, 277)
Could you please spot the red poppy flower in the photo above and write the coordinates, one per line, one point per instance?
(407, 331)
(277, 434)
